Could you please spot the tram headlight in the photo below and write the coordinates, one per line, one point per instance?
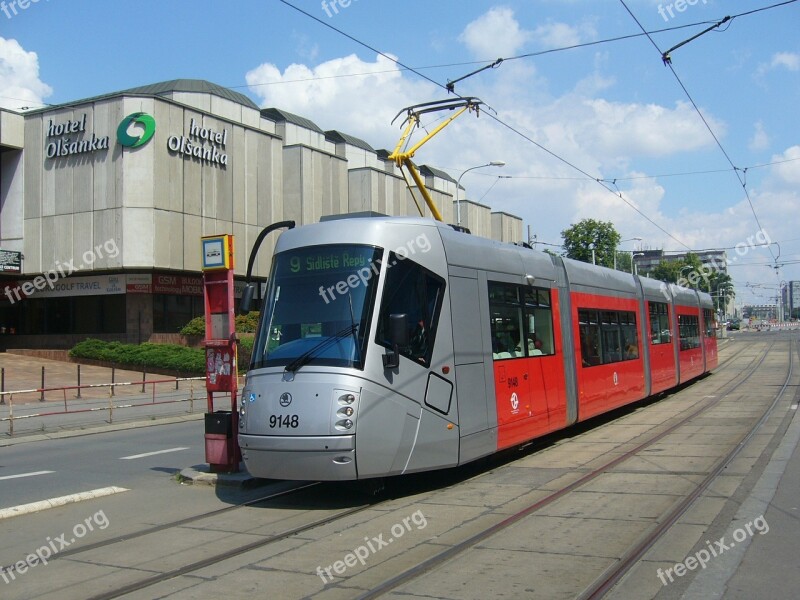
(345, 407)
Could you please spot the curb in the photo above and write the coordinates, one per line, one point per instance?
(202, 475)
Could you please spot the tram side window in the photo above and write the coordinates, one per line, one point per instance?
(659, 323)
(521, 321)
(607, 336)
(417, 292)
(689, 329)
(612, 342)
(708, 318)
(590, 337)
(630, 337)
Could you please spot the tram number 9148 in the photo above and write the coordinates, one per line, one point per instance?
(281, 421)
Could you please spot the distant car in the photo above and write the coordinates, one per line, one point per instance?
(734, 325)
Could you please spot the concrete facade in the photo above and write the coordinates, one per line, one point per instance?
(124, 220)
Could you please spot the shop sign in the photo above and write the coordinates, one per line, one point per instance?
(10, 261)
(97, 285)
(139, 284)
(177, 285)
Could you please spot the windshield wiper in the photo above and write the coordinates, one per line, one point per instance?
(306, 356)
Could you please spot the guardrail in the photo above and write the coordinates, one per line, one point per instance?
(7, 397)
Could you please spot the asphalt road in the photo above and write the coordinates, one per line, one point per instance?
(142, 460)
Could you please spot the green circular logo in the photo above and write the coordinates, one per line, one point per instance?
(143, 119)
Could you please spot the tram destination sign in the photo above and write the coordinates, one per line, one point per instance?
(10, 261)
(330, 259)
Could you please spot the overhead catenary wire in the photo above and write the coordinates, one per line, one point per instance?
(600, 181)
(736, 169)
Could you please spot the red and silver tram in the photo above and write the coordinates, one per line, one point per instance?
(394, 345)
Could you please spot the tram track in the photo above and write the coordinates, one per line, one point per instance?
(177, 523)
(740, 369)
(609, 578)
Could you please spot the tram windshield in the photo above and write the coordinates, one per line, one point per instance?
(318, 307)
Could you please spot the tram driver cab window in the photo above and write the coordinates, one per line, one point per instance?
(417, 292)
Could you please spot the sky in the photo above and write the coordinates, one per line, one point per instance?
(702, 154)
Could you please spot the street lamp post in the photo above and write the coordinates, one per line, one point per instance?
(638, 239)
(634, 268)
(680, 274)
(494, 163)
(591, 247)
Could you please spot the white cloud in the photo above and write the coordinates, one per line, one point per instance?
(337, 94)
(604, 137)
(780, 60)
(786, 60)
(20, 85)
(627, 129)
(561, 35)
(495, 34)
(760, 139)
(787, 171)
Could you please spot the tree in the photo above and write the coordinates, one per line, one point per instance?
(667, 271)
(579, 237)
(624, 262)
(721, 290)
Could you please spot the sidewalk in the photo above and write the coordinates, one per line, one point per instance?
(95, 406)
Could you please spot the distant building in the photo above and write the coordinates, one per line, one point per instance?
(760, 312)
(647, 260)
(790, 297)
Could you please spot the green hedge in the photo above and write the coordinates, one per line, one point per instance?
(143, 356)
(161, 356)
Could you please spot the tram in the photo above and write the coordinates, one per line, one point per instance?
(393, 345)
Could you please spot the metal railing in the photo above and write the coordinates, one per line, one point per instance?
(7, 398)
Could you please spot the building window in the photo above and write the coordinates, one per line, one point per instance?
(171, 312)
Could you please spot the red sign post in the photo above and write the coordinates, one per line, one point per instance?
(222, 448)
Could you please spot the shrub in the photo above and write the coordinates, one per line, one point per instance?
(196, 326)
(161, 356)
(244, 324)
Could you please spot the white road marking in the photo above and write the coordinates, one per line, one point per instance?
(32, 474)
(132, 456)
(25, 509)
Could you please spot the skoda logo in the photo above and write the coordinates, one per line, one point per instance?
(285, 399)
(140, 118)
